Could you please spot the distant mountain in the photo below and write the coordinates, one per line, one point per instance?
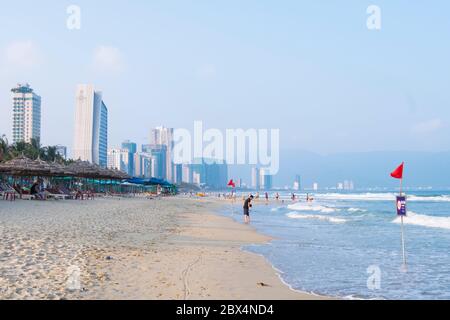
(365, 169)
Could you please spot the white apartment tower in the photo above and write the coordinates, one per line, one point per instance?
(119, 159)
(256, 178)
(26, 114)
(91, 126)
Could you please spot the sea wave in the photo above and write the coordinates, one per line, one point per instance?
(294, 215)
(356, 210)
(311, 207)
(380, 197)
(425, 220)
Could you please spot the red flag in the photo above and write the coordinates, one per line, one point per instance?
(398, 173)
(231, 184)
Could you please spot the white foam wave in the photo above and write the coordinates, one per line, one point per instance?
(379, 197)
(425, 220)
(356, 210)
(311, 207)
(443, 198)
(293, 215)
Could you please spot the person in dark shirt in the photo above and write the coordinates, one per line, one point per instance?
(34, 190)
(247, 206)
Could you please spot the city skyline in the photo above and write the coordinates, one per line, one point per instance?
(354, 91)
(338, 99)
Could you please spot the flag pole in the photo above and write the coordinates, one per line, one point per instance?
(232, 201)
(402, 231)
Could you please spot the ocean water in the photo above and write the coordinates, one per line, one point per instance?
(348, 245)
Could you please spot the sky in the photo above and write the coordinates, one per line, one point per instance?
(309, 68)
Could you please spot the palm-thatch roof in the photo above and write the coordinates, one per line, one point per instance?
(23, 166)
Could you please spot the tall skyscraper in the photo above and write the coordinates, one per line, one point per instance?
(132, 149)
(91, 126)
(26, 114)
(256, 178)
(178, 173)
(297, 183)
(187, 173)
(164, 136)
(142, 165)
(265, 179)
(159, 161)
(118, 159)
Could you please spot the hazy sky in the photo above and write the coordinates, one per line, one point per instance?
(310, 68)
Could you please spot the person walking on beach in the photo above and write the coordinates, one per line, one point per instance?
(267, 197)
(277, 196)
(247, 206)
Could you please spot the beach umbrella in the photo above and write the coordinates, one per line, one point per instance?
(23, 166)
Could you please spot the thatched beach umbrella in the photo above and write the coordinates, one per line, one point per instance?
(23, 166)
(83, 169)
(59, 170)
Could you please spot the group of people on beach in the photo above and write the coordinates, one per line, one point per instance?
(250, 198)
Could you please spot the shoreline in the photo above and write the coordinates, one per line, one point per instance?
(281, 289)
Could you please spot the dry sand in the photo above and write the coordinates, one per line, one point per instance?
(172, 248)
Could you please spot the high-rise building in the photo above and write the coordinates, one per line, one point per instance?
(91, 126)
(256, 178)
(62, 151)
(178, 173)
(297, 183)
(118, 159)
(209, 172)
(164, 136)
(187, 173)
(265, 179)
(130, 146)
(315, 186)
(158, 155)
(196, 178)
(132, 149)
(26, 114)
(142, 165)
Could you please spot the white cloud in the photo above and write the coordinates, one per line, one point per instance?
(22, 54)
(108, 59)
(428, 126)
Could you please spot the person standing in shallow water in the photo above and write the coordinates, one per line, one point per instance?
(247, 206)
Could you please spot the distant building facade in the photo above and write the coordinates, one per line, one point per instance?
(265, 179)
(297, 183)
(131, 147)
(62, 151)
(91, 126)
(256, 179)
(26, 114)
(142, 165)
(164, 136)
(206, 172)
(158, 159)
(118, 159)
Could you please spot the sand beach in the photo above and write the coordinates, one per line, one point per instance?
(131, 248)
